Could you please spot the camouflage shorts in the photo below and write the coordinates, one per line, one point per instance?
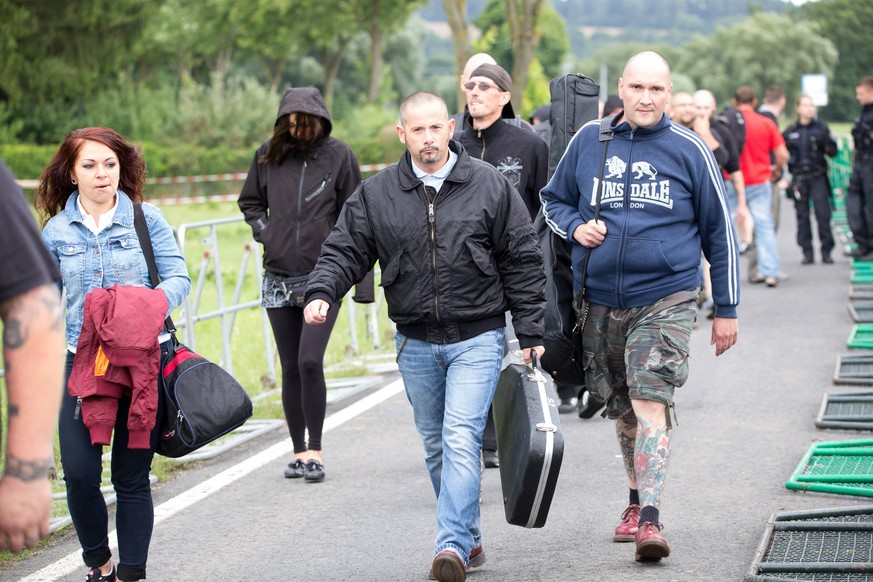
(638, 353)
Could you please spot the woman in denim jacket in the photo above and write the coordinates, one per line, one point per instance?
(85, 198)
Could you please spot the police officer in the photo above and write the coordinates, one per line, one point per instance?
(859, 198)
(809, 141)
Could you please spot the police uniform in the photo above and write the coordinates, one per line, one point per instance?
(807, 147)
(859, 199)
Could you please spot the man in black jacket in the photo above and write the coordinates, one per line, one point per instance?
(809, 141)
(457, 250)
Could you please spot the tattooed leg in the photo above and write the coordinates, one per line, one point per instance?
(652, 450)
(626, 431)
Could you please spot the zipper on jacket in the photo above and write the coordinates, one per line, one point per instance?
(299, 213)
(431, 207)
(78, 408)
(482, 155)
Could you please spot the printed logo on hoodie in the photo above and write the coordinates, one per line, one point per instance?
(645, 188)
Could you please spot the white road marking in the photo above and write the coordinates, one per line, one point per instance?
(72, 562)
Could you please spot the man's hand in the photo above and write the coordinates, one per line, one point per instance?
(315, 312)
(724, 334)
(590, 234)
(540, 350)
(24, 512)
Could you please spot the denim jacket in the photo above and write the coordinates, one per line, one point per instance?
(112, 257)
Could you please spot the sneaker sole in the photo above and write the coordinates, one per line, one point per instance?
(652, 551)
(446, 569)
(476, 562)
(622, 538)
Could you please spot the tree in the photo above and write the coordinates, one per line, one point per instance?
(456, 13)
(847, 24)
(379, 18)
(765, 49)
(524, 29)
(55, 49)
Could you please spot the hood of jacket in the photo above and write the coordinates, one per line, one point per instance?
(305, 100)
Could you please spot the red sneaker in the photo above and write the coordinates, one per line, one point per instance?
(449, 567)
(627, 529)
(477, 558)
(651, 546)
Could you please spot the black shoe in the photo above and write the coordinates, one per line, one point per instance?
(858, 252)
(567, 405)
(807, 260)
(492, 461)
(589, 405)
(313, 471)
(294, 470)
(827, 260)
(95, 576)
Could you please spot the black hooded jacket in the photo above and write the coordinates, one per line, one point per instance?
(451, 267)
(293, 206)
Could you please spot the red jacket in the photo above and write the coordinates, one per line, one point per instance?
(125, 322)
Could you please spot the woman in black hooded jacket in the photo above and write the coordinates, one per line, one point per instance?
(298, 181)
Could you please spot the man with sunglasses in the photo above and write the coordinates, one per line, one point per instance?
(520, 155)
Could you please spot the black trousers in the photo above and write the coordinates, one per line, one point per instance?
(813, 191)
(859, 204)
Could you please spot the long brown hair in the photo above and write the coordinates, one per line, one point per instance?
(283, 144)
(56, 185)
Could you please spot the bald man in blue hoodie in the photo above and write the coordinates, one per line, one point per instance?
(662, 204)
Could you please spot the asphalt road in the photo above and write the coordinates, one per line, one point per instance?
(745, 420)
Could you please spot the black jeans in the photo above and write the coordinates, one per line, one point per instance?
(859, 204)
(83, 467)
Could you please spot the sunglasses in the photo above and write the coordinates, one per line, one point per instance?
(483, 86)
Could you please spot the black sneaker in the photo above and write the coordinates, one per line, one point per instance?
(589, 405)
(492, 460)
(94, 575)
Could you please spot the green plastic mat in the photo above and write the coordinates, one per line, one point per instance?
(863, 275)
(841, 467)
(861, 336)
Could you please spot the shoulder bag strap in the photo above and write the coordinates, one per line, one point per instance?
(145, 242)
(606, 136)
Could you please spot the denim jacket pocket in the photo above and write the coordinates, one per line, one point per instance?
(72, 265)
(127, 261)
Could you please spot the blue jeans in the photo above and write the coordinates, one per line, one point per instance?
(83, 468)
(450, 387)
(759, 198)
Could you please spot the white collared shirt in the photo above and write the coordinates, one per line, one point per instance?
(436, 179)
(105, 218)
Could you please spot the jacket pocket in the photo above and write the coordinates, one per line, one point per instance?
(72, 264)
(321, 187)
(481, 258)
(127, 261)
(402, 284)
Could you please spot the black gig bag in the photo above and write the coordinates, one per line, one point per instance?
(575, 102)
(529, 442)
(202, 400)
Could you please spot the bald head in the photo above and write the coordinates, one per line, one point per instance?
(473, 63)
(647, 60)
(419, 100)
(644, 88)
(704, 103)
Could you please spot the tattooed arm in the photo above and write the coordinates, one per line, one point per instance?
(33, 351)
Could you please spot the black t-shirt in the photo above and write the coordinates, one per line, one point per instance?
(25, 262)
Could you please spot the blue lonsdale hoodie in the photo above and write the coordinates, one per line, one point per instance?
(663, 202)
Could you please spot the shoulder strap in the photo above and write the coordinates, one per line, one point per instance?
(145, 242)
(606, 136)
